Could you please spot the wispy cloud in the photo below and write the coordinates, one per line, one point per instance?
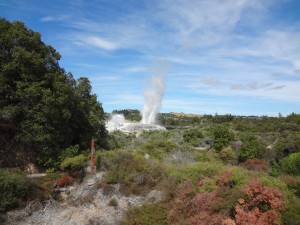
(55, 18)
(276, 87)
(93, 41)
(210, 81)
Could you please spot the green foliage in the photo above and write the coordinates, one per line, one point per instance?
(14, 186)
(158, 148)
(105, 160)
(69, 152)
(135, 174)
(228, 155)
(150, 214)
(291, 164)
(291, 215)
(118, 139)
(293, 183)
(288, 143)
(250, 148)
(293, 118)
(192, 136)
(75, 163)
(221, 136)
(239, 176)
(194, 171)
(42, 109)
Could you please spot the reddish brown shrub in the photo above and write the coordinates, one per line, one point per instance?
(192, 208)
(65, 180)
(224, 178)
(256, 164)
(261, 205)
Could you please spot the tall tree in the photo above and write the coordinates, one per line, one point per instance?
(42, 109)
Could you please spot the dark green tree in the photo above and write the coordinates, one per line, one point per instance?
(221, 136)
(251, 147)
(43, 110)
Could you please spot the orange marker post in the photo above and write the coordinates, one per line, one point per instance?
(93, 156)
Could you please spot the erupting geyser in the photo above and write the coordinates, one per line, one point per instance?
(153, 94)
(153, 98)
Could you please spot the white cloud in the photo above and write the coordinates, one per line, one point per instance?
(98, 42)
(55, 18)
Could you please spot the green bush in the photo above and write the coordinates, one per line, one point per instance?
(13, 187)
(151, 214)
(159, 144)
(130, 169)
(291, 164)
(105, 159)
(250, 148)
(221, 137)
(75, 163)
(69, 152)
(193, 136)
(293, 183)
(228, 155)
(194, 171)
(239, 176)
(291, 215)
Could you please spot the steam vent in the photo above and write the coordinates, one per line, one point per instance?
(118, 122)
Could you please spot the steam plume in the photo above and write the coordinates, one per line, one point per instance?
(154, 93)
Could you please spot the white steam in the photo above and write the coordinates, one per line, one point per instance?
(154, 93)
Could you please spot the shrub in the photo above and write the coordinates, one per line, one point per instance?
(69, 152)
(113, 202)
(65, 180)
(190, 207)
(256, 164)
(291, 164)
(228, 155)
(261, 205)
(74, 164)
(221, 137)
(239, 176)
(194, 171)
(293, 183)
(13, 187)
(41, 187)
(135, 174)
(250, 148)
(192, 136)
(105, 160)
(149, 214)
(160, 144)
(291, 215)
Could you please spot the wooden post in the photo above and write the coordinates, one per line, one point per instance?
(92, 156)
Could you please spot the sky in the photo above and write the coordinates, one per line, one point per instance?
(238, 57)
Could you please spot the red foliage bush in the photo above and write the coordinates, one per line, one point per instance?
(194, 208)
(64, 181)
(261, 205)
(224, 179)
(256, 164)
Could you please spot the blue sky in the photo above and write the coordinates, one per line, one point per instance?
(223, 56)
